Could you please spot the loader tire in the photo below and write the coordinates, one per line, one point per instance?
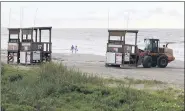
(162, 61)
(154, 64)
(147, 62)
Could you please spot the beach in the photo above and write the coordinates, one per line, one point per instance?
(84, 56)
(95, 64)
(173, 73)
(92, 48)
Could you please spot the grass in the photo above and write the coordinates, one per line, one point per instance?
(132, 81)
(137, 81)
(54, 87)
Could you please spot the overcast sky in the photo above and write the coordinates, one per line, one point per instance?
(94, 14)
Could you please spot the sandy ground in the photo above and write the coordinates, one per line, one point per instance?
(173, 73)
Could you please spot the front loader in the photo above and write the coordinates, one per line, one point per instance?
(155, 56)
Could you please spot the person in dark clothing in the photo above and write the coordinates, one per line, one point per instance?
(72, 48)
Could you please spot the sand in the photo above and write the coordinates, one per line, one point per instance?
(173, 73)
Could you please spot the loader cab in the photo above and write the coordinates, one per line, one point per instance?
(151, 45)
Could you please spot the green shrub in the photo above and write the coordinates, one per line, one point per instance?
(15, 77)
(54, 87)
(14, 107)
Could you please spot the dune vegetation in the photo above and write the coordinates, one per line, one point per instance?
(54, 87)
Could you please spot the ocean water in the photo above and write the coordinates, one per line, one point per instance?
(93, 41)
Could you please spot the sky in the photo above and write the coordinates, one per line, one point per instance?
(93, 14)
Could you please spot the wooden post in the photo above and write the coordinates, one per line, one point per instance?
(109, 36)
(18, 47)
(8, 58)
(35, 35)
(136, 39)
(50, 44)
(39, 35)
(135, 42)
(135, 49)
(8, 49)
(50, 40)
(26, 36)
(108, 41)
(26, 58)
(9, 37)
(47, 47)
(18, 35)
(32, 34)
(21, 35)
(124, 38)
(50, 35)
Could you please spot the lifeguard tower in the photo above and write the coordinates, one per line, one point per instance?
(118, 52)
(27, 47)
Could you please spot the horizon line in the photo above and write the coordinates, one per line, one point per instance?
(94, 28)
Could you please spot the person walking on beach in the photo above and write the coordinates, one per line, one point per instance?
(72, 48)
(76, 48)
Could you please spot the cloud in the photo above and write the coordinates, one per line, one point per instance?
(157, 10)
(95, 14)
(160, 21)
(174, 13)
